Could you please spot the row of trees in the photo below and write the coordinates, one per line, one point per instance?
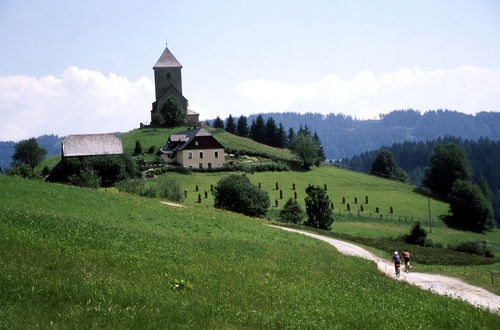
(306, 145)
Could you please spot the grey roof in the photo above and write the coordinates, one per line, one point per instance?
(91, 145)
(191, 112)
(186, 137)
(167, 60)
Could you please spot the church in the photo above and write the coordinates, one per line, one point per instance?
(168, 82)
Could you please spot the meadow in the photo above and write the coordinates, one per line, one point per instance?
(80, 258)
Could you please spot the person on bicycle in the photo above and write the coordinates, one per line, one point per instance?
(397, 262)
(406, 257)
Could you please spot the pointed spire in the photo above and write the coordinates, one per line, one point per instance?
(167, 60)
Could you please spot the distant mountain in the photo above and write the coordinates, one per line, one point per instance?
(51, 143)
(343, 136)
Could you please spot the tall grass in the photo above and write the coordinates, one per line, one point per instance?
(74, 257)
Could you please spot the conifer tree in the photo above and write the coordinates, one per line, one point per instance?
(230, 125)
(242, 126)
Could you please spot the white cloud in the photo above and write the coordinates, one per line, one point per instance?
(79, 101)
(366, 95)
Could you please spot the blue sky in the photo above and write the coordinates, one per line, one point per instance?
(86, 66)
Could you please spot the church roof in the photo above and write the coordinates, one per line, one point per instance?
(91, 145)
(167, 60)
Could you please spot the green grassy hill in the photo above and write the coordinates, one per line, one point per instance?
(157, 137)
(73, 257)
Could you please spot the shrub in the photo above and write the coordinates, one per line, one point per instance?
(417, 236)
(236, 193)
(170, 189)
(132, 186)
(478, 248)
(86, 178)
(292, 212)
(22, 170)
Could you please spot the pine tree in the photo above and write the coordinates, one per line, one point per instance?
(318, 208)
(218, 123)
(258, 130)
(138, 148)
(230, 125)
(242, 126)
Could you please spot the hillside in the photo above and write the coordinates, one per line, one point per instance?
(157, 137)
(73, 256)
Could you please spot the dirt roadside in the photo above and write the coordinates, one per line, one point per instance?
(439, 284)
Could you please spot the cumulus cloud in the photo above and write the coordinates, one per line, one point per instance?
(366, 95)
(79, 101)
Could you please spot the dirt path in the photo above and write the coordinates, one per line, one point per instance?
(440, 284)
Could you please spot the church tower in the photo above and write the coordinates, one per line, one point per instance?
(168, 82)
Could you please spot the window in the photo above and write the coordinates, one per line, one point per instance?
(196, 143)
(190, 166)
(209, 165)
(190, 155)
(216, 154)
(200, 165)
(201, 154)
(168, 75)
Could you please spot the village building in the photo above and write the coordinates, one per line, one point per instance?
(194, 149)
(168, 82)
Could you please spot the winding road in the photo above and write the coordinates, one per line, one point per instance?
(439, 284)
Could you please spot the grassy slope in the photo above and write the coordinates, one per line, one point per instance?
(340, 183)
(73, 257)
(158, 137)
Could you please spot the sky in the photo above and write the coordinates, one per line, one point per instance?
(73, 67)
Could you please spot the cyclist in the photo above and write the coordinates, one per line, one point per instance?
(397, 262)
(406, 257)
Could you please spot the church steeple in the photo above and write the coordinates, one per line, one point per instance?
(167, 73)
(167, 60)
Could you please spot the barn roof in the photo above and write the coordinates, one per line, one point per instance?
(167, 60)
(91, 145)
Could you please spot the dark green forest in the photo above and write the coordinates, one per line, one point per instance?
(413, 157)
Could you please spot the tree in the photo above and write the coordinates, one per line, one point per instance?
(138, 148)
(258, 130)
(292, 212)
(321, 152)
(230, 125)
(28, 152)
(281, 137)
(242, 126)
(271, 132)
(218, 123)
(236, 193)
(384, 164)
(290, 136)
(157, 120)
(172, 112)
(318, 208)
(448, 163)
(417, 236)
(469, 207)
(305, 147)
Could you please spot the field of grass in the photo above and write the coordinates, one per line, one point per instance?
(73, 257)
(340, 183)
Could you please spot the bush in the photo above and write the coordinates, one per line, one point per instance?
(417, 236)
(170, 189)
(478, 248)
(22, 170)
(292, 212)
(132, 186)
(236, 193)
(86, 178)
